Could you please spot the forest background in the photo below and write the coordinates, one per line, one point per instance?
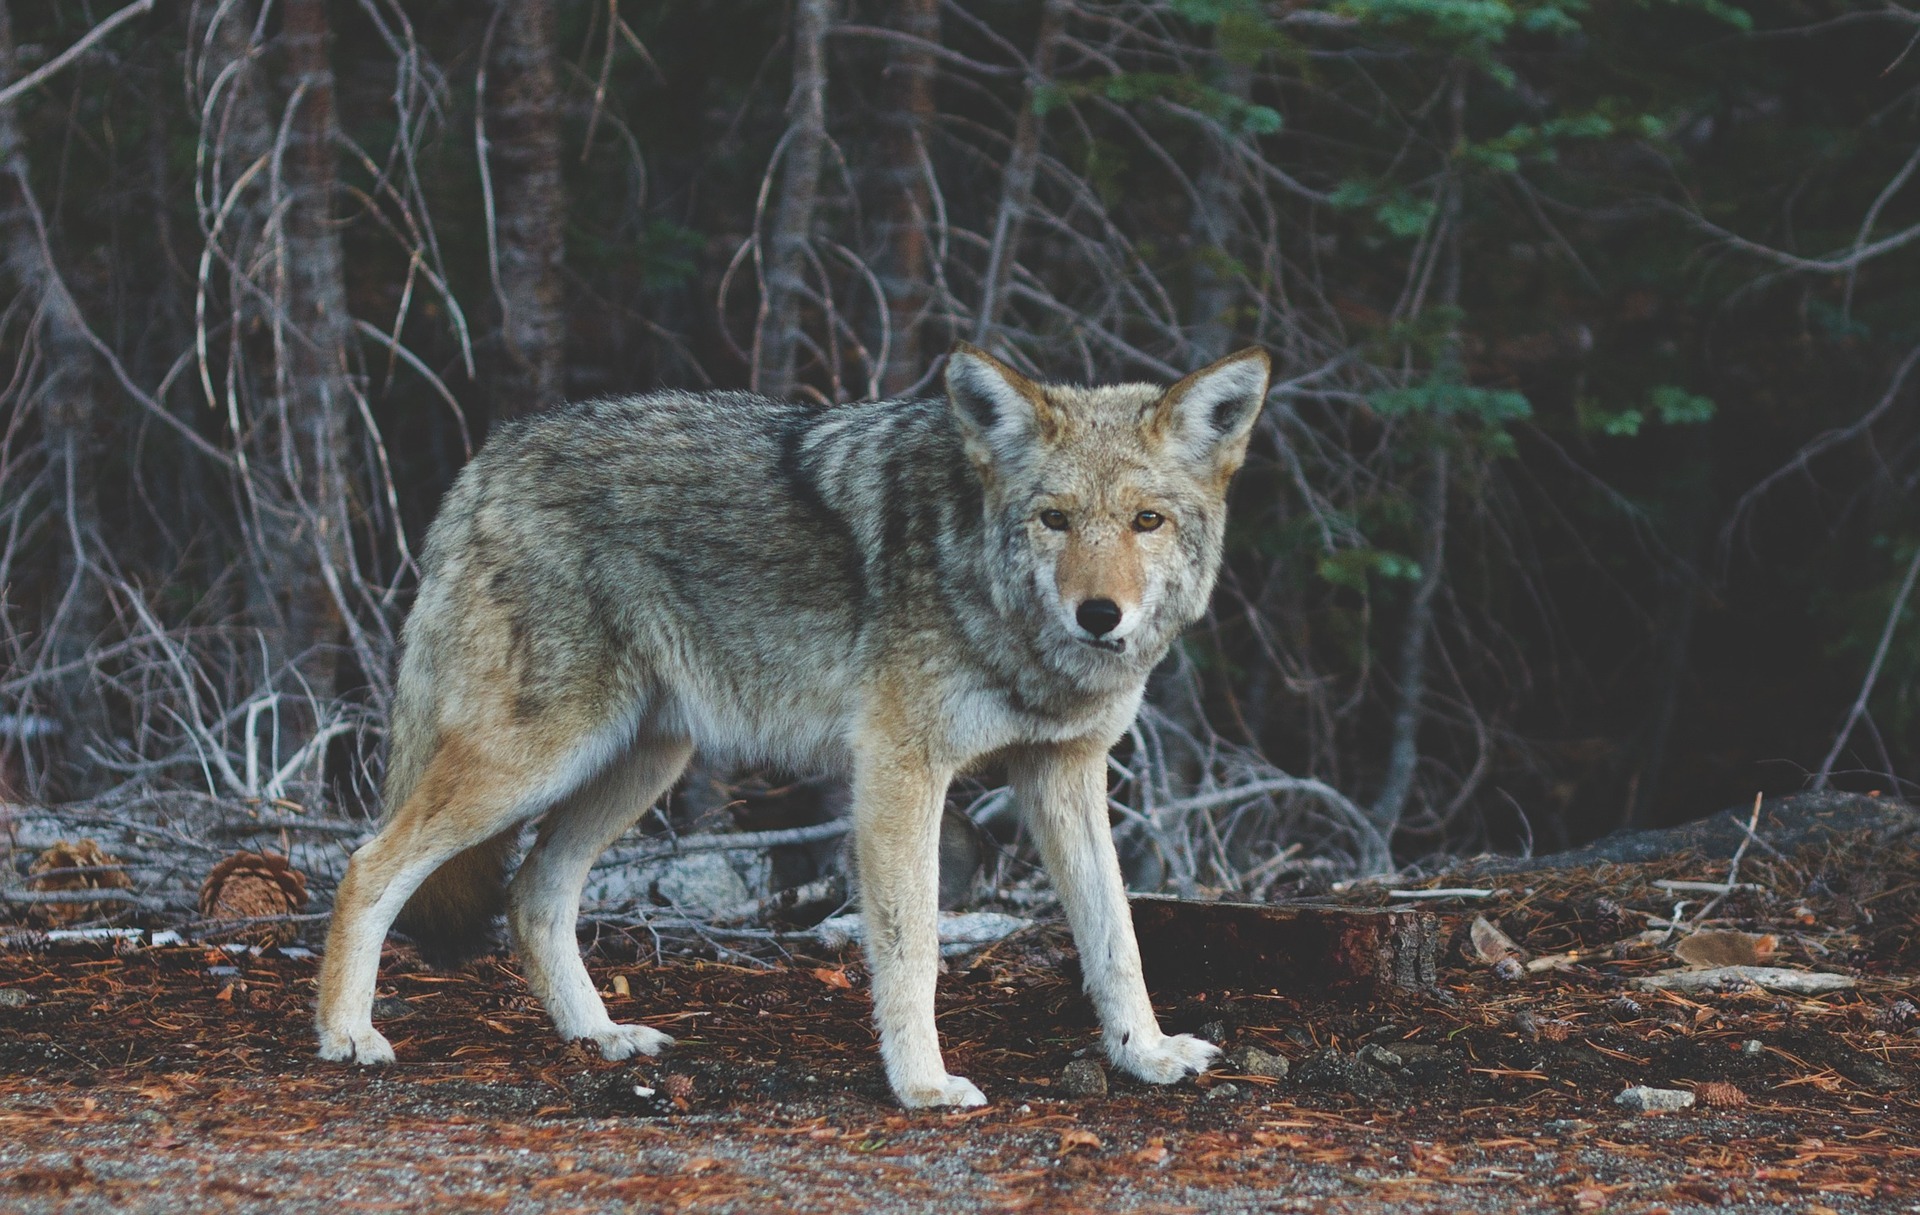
(1585, 497)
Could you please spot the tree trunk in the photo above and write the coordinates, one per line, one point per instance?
(531, 206)
(1214, 225)
(776, 342)
(905, 194)
(304, 511)
(1403, 749)
(1688, 532)
(1016, 184)
(69, 422)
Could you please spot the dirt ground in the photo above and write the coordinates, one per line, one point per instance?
(181, 1079)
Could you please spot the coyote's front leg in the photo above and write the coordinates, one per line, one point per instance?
(1063, 791)
(897, 796)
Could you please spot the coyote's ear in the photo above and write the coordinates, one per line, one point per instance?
(1000, 411)
(1209, 414)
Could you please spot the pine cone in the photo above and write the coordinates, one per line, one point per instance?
(1894, 1017)
(1610, 921)
(1719, 1094)
(54, 869)
(678, 1086)
(249, 885)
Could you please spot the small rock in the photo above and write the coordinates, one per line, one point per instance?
(1214, 1032)
(1752, 1047)
(1252, 1061)
(1509, 970)
(1868, 1074)
(1082, 1078)
(14, 997)
(1223, 1090)
(1643, 1100)
(1379, 1056)
(1566, 1126)
(700, 882)
(1420, 1052)
(387, 1008)
(1331, 1071)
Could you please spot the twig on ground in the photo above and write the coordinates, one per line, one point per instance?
(744, 841)
(1733, 867)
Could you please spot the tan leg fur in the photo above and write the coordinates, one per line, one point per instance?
(543, 902)
(1063, 793)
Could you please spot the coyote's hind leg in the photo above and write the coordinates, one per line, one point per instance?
(467, 794)
(543, 901)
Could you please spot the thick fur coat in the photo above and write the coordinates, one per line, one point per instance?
(898, 591)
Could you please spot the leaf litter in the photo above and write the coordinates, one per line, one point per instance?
(181, 1076)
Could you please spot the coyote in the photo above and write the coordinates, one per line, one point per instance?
(899, 591)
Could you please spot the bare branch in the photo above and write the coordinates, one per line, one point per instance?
(86, 43)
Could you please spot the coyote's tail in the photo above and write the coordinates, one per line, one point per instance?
(450, 917)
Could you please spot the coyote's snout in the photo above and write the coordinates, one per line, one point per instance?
(898, 591)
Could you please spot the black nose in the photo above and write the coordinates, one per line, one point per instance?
(1098, 616)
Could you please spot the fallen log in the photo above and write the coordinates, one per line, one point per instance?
(1306, 949)
(1725, 978)
(1783, 824)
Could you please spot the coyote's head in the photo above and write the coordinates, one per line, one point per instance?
(1113, 498)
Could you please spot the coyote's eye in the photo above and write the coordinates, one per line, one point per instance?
(1055, 520)
(1147, 520)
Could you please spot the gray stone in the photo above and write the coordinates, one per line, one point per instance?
(14, 997)
(700, 883)
(1252, 1061)
(1868, 1074)
(1752, 1047)
(1082, 1078)
(1331, 1071)
(1223, 1090)
(1375, 1055)
(1643, 1100)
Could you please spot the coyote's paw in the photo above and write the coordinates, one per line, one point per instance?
(626, 1041)
(1171, 1058)
(363, 1045)
(948, 1090)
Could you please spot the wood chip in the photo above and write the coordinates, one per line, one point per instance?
(1726, 948)
(1487, 945)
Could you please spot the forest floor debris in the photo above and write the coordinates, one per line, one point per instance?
(141, 1078)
